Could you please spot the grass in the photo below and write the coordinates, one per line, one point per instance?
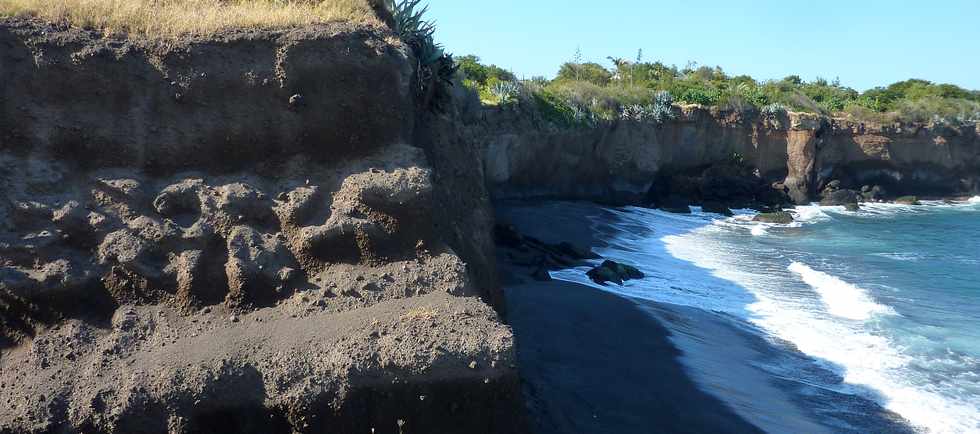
(171, 18)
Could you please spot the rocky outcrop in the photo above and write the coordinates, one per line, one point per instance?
(932, 159)
(781, 217)
(243, 234)
(687, 160)
(618, 162)
(612, 271)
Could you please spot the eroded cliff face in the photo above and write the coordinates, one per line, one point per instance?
(243, 234)
(624, 162)
(932, 160)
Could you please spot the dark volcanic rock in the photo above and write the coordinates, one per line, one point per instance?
(507, 236)
(575, 252)
(541, 275)
(732, 182)
(611, 271)
(908, 200)
(873, 194)
(717, 208)
(840, 197)
(675, 205)
(781, 217)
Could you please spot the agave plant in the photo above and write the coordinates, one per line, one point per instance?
(506, 91)
(773, 111)
(659, 111)
(408, 22)
(662, 108)
(410, 25)
(634, 112)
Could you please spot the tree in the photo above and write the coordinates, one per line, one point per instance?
(591, 72)
(794, 79)
(480, 73)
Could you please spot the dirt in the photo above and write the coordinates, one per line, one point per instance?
(216, 103)
(239, 234)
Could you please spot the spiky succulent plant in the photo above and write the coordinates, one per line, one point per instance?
(410, 25)
(773, 111)
(506, 91)
(659, 111)
(408, 22)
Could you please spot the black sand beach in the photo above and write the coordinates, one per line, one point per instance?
(595, 362)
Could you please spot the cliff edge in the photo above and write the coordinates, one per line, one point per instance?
(244, 233)
(792, 154)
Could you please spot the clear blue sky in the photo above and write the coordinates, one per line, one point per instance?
(864, 42)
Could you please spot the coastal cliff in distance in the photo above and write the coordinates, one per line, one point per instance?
(239, 234)
(628, 162)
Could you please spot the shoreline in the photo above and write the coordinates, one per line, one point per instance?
(582, 349)
(592, 361)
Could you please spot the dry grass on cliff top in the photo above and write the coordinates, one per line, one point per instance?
(169, 18)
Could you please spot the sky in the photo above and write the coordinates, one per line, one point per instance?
(864, 43)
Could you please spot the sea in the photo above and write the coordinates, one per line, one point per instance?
(851, 322)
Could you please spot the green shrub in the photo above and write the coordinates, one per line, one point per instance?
(554, 109)
(473, 70)
(589, 92)
(938, 110)
(700, 95)
(590, 72)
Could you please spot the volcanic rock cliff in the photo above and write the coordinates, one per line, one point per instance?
(797, 154)
(273, 231)
(246, 233)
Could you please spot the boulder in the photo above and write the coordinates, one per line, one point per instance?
(840, 198)
(717, 208)
(852, 207)
(781, 217)
(908, 200)
(873, 194)
(675, 205)
(575, 252)
(611, 271)
(541, 275)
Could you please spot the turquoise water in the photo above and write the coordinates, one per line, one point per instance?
(882, 304)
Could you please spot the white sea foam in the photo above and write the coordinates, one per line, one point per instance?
(841, 298)
(826, 318)
(974, 199)
(809, 214)
(869, 363)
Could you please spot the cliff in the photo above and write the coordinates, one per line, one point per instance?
(627, 162)
(272, 231)
(248, 233)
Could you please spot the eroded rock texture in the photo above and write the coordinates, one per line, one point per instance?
(292, 298)
(247, 241)
(237, 235)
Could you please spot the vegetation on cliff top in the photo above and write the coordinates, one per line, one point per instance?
(169, 18)
(587, 92)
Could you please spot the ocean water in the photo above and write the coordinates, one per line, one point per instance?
(867, 317)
